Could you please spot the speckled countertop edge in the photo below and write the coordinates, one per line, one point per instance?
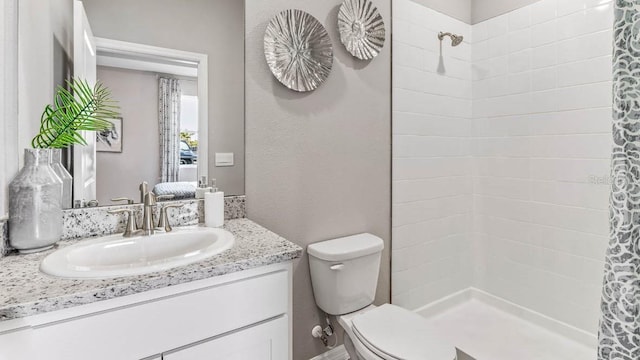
(26, 291)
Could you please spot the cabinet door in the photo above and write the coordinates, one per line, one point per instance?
(266, 341)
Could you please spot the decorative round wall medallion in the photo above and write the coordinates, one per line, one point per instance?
(298, 50)
(361, 28)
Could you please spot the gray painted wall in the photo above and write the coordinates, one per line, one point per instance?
(318, 163)
(211, 27)
(474, 11)
(137, 95)
(458, 9)
(482, 10)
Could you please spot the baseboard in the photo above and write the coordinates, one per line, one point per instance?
(339, 353)
(522, 312)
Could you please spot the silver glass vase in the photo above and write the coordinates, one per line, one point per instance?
(63, 174)
(35, 204)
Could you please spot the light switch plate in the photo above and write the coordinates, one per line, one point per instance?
(224, 159)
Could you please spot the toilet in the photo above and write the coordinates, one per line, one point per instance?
(344, 275)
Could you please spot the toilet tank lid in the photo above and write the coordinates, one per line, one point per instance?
(346, 248)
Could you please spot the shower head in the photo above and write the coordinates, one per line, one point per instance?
(455, 39)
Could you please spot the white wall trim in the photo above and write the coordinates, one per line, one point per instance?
(171, 58)
(8, 99)
(521, 312)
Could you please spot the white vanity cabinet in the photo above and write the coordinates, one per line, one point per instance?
(243, 315)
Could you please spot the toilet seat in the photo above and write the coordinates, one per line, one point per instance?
(393, 333)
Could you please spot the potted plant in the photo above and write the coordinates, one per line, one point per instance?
(36, 193)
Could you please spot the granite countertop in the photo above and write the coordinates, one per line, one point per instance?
(26, 291)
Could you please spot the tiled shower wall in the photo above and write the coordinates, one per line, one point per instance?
(432, 164)
(512, 198)
(542, 144)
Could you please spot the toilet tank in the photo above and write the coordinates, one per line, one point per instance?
(344, 272)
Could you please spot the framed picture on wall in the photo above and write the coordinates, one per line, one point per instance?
(110, 140)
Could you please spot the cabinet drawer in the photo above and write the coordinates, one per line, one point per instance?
(265, 341)
(154, 327)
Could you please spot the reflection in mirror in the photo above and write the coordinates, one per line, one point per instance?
(155, 141)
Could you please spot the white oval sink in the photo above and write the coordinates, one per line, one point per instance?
(115, 256)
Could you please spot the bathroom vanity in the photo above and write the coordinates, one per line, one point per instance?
(235, 305)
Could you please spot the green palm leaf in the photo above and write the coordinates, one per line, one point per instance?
(81, 108)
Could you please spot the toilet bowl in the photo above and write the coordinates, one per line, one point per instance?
(344, 274)
(390, 332)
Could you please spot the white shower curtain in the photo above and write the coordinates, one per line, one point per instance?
(169, 118)
(619, 337)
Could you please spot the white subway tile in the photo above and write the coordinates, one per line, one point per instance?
(571, 194)
(480, 32)
(543, 33)
(502, 147)
(520, 61)
(498, 46)
(566, 7)
(502, 126)
(585, 47)
(542, 11)
(511, 188)
(497, 26)
(414, 168)
(585, 72)
(544, 101)
(412, 146)
(544, 79)
(414, 212)
(571, 218)
(408, 56)
(544, 56)
(418, 124)
(581, 121)
(571, 170)
(585, 96)
(519, 18)
(520, 82)
(502, 167)
(425, 189)
(519, 40)
(591, 146)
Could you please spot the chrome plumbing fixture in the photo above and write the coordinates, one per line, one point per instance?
(455, 39)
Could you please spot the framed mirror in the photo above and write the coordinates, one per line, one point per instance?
(159, 139)
(192, 52)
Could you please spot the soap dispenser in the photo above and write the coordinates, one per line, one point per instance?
(214, 206)
(202, 188)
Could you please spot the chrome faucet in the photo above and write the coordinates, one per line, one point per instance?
(150, 200)
(149, 203)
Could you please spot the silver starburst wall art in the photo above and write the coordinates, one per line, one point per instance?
(298, 50)
(361, 28)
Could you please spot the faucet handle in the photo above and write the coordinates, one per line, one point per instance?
(131, 227)
(163, 222)
(129, 201)
(165, 197)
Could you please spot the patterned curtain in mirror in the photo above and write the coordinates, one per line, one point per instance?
(619, 337)
(169, 117)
